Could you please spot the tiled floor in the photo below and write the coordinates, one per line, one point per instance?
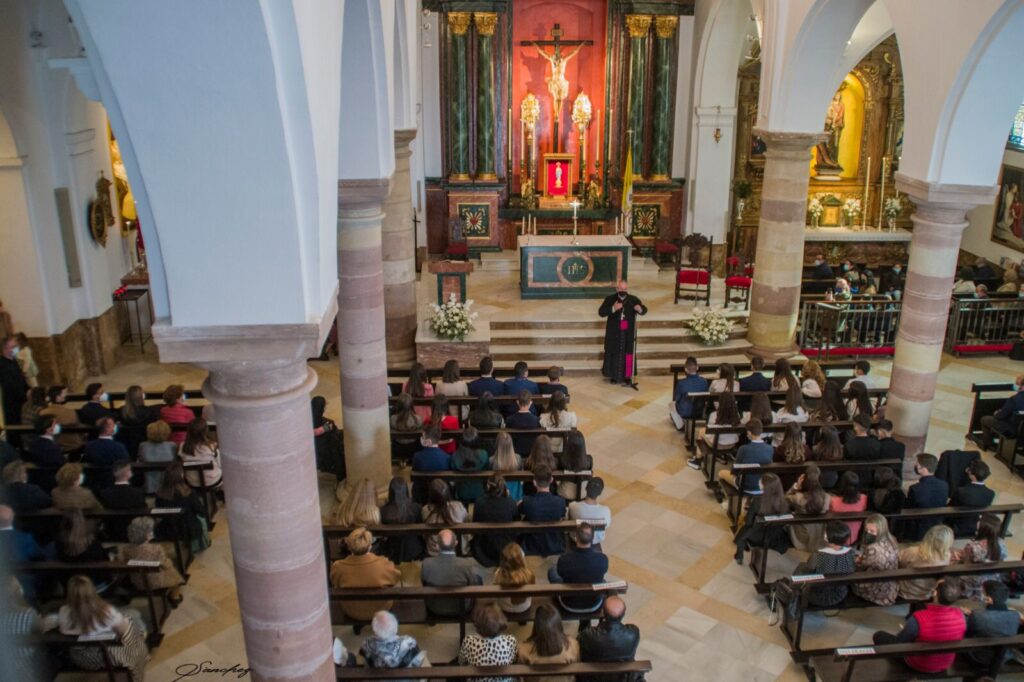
(696, 608)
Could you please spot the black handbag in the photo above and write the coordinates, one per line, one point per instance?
(783, 601)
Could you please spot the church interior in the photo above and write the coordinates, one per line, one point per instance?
(293, 296)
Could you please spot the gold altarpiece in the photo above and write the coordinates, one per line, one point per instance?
(871, 140)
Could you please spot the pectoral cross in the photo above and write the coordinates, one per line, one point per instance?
(558, 86)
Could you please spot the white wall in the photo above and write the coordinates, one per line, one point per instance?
(978, 235)
(684, 86)
(427, 145)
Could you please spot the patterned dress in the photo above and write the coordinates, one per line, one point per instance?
(500, 650)
(976, 552)
(879, 556)
(131, 653)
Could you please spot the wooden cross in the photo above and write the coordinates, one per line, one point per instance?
(557, 42)
(558, 86)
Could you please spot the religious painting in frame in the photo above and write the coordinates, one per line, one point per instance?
(558, 175)
(476, 220)
(1008, 222)
(645, 220)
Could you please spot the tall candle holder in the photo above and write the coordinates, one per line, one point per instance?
(581, 115)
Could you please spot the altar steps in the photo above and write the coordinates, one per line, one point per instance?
(578, 346)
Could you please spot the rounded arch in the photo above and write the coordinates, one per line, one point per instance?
(366, 141)
(401, 81)
(967, 148)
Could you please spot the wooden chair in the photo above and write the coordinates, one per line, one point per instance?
(738, 279)
(458, 247)
(666, 246)
(693, 280)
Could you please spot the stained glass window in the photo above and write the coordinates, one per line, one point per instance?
(1017, 131)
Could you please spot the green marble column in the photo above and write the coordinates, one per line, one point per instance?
(458, 124)
(485, 23)
(665, 32)
(639, 26)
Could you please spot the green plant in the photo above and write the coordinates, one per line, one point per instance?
(742, 188)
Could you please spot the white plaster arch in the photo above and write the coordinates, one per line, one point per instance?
(366, 141)
(874, 27)
(213, 112)
(401, 81)
(803, 45)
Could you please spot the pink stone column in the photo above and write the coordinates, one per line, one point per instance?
(361, 331)
(260, 387)
(939, 222)
(775, 295)
(399, 254)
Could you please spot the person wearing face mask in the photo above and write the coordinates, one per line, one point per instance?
(13, 385)
(96, 409)
(621, 310)
(1004, 422)
(104, 452)
(69, 493)
(66, 416)
(879, 552)
(822, 270)
(44, 452)
(929, 492)
(892, 282)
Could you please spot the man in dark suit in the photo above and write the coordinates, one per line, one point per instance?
(521, 381)
(863, 447)
(122, 495)
(45, 452)
(610, 640)
(554, 382)
(889, 447)
(754, 452)
(929, 492)
(103, 452)
(974, 494)
(19, 547)
(486, 382)
(429, 458)
(448, 570)
(1005, 421)
(822, 270)
(19, 494)
(94, 410)
(523, 419)
(756, 381)
(892, 282)
(543, 506)
(13, 386)
(583, 564)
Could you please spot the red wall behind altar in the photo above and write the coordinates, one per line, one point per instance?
(580, 20)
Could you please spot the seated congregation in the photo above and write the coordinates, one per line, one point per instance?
(809, 467)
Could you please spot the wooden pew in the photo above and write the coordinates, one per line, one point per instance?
(874, 662)
(794, 631)
(465, 672)
(989, 396)
(64, 570)
(577, 477)
(333, 535)
(119, 396)
(736, 495)
(64, 643)
(410, 606)
(833, 368)
(182, 541)
(759, 556)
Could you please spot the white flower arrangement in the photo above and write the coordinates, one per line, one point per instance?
(893, 206)
(815, 207)
(710, 326)
(851, 207)
(453, 320)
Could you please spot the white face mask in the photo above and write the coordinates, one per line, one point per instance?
(56, 429)
(184, 397)
(15, 351)
(104, 397)
(81, 479)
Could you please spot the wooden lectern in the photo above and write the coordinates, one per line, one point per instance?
(451, 278)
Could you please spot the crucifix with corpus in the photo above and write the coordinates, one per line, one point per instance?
(558, 86)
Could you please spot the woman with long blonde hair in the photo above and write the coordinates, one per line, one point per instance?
(86, 613)
(935, 549)
(359, 508)
(504, 460)
(513, 572)
(880, 553)
(812, 380)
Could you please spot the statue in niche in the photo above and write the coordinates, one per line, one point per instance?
(828, 150)
(558, 175)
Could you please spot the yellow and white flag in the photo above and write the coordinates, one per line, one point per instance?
(627, 194)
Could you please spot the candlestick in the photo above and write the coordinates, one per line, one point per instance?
(600, 142)
(867, 179)
(522, 151)
(881, 195)
(508, 126)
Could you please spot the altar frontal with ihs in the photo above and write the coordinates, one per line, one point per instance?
(558, 122)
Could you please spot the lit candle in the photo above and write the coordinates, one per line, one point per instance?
(881, 196)
(597, 163)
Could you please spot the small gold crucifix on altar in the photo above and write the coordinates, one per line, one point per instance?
(558, 86)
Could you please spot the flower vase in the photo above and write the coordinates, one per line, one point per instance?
(814, 221)
(892, 223)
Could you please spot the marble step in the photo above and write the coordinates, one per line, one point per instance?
(648, 366)
(595, 351)
(677, 336)
(738, 316)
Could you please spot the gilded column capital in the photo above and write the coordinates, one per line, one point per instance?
(638, 25)
(485, 22)
(459, 22)
(665, 26)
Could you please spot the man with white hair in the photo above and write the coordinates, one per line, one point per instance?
(388, 649)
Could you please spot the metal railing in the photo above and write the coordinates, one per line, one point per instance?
(865, 324)
(985, 321)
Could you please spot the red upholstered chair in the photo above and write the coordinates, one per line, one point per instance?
(738, 279)
(667, 247)
(458, 248)
(693, 272)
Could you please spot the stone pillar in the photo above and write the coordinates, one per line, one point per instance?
(485, 23)
(664, 89)
(260, 386)
(399, 253)
(775, 296)
(638, 25)
(361, 345)
(939, 222)
(458, 95)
